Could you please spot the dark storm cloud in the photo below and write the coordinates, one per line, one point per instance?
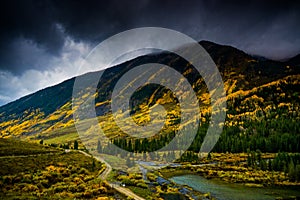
(33, 31)
(42, 42)
(34, 23)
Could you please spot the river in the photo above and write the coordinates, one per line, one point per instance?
(233, 191)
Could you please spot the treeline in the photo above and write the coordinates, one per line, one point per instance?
(137, 145)
(63, 146)
(278, 135)
(268, 137)
(112, 150)
(288, 163)
(274, 128)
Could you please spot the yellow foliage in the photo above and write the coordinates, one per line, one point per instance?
(51, 168)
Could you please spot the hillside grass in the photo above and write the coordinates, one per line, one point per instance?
(10, 147)
(13, 165)
(67, 138)
(51, 175)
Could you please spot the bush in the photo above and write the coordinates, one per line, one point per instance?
(102, 198)
(65, 173)
(103, 190)
(83, 171)
(81, 188)
(27, 178)
(29, 188)
(66, 194)
(128, 181)
(88, 178)
(74, 170)
(45, 183)
(87, 194)
(72, 188)
(142, 185)
(122, 177)
(59, 188)
(7, 180)
(17, 179)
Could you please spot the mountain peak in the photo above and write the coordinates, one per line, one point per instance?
(51, 108)
(222, 54)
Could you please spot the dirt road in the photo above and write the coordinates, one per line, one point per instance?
(119, 188)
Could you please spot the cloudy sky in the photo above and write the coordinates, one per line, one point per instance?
(42, 42)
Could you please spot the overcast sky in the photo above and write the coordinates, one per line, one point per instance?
(41, 42)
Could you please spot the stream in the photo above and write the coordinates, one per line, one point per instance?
(232, 191)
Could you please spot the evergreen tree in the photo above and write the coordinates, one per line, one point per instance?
(292, 172)
(75, 145)
(297, 172)
(99, 147)
(209, 156)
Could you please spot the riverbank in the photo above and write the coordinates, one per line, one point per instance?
(232, 174)
(234, 191)
(155, 186)
(234, 168)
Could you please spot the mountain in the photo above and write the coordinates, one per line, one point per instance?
(258, 91)
(294, 61)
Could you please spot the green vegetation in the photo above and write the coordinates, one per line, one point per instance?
(75, 145)
(14, 147)
(269, 125)
(55, 175)
(262, 119)
(141, 191)
(289, 163)
(62, 139)
(255, 168)
(152, 188)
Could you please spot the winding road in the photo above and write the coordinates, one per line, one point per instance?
(104, 175)
(126, 191)
(108, 168)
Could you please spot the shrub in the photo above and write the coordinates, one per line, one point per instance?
(142, 185)
(88, 178)
(77, 180)
(17, 179)
(74, 170)
(29, 188)
(81, 188)
(103, 190)
(83, 171)
(95, 192)
(102, 198)
(45, 183)
(87, 194)
(27, 178)
(67, 179)
(128, 181)
(65, 173)
(7, 179)
(122, 177)
(66, 194)
(59, 188)
(72, 188)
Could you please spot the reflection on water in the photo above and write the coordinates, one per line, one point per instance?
(231, 191)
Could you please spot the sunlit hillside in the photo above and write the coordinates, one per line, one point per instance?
(35, 171)
(258, 91)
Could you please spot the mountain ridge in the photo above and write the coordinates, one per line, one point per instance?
(206, 44)
(48, 112)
